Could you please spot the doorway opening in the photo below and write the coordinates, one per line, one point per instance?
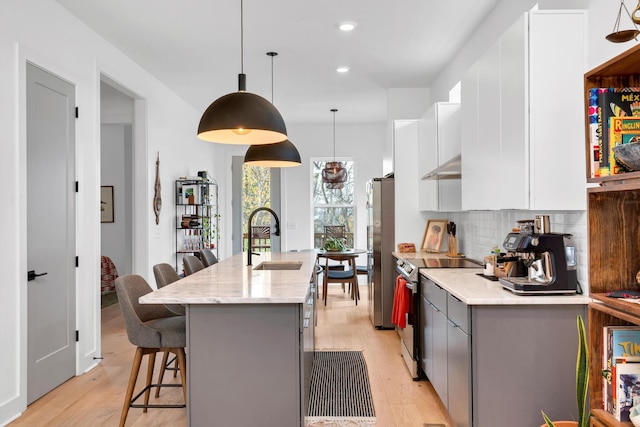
(116, 184)
(254, 187)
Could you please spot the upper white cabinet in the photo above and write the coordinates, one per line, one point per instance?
(522, 118)
(439, 144)
(408, 219)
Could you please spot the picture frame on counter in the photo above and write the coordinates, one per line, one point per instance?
(434, 235)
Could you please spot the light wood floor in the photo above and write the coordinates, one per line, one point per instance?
(95, 398)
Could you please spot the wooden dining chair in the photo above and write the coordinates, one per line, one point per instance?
(341, 276)
(334, 231)
(260, 238)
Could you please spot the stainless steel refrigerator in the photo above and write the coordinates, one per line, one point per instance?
(380, 244)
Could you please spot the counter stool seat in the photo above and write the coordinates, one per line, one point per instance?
(152, 328)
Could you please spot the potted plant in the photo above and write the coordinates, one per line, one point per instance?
(582, 383)
(334, 244)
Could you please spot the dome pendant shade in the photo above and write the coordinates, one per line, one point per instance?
(279, 155)
(242, 118)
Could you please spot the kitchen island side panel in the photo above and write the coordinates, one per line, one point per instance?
(524, 360)
(243, 364)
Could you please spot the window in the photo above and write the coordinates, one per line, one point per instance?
(333, 206)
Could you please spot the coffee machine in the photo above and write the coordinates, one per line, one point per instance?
(550, 263)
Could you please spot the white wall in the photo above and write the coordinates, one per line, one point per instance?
(42, 32)
(362, 143)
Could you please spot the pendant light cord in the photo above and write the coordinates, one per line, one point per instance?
(241, 37)
(333, 110)
(272, 54)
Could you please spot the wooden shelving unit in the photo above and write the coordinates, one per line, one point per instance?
(614, 236)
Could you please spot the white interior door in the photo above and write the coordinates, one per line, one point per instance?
(50, 231)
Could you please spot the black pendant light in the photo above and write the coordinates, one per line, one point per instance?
(242, 117)
(334, 174)
(279, 155)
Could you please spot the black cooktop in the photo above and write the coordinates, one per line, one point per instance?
(443, 263)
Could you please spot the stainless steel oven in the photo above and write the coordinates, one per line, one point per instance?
(409, 269)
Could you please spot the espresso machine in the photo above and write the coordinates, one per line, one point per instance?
(549, 261)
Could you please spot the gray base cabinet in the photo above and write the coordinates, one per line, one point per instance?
(502, 364)
(248, 363)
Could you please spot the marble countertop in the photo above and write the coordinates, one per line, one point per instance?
(472, 289)
(468, 287)
(231, 281)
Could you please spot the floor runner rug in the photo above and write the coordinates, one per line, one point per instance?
(340, 390)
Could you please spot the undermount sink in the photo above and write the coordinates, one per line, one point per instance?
(279, 265)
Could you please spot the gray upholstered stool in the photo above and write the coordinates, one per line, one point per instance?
(191, 264)
(165, 275)
(151, 328)
(207, 257)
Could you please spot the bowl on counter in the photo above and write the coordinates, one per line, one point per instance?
(628, 155)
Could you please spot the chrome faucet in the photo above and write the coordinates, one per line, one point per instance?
(276, 233)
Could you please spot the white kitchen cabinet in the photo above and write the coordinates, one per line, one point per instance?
(409, 223)
(439, 143)
(480, 145)
(527, 130)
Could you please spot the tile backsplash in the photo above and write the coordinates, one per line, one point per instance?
(479, 231)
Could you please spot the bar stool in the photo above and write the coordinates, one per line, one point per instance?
(207, 257)
(165, 275)
(151, 328)
(191, 264)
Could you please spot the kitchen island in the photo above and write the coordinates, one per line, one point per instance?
(249, 338)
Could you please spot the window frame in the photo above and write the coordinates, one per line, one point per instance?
(353, 205)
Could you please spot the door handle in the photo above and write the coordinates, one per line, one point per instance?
(31, 275)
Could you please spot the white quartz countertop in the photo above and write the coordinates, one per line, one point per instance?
(231, 281)
(472, 289)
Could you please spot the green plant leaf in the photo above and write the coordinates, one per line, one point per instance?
(547, 420)
(582, 375)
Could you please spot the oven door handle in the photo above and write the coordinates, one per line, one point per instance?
(411, 286)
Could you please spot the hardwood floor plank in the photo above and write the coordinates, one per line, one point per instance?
(95, 398)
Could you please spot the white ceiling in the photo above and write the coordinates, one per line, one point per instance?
(194, 48)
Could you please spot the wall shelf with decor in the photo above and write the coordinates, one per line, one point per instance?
(197, 217)
(613, 209)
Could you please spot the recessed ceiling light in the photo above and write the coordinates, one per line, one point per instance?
(347, 26)
(342, 69)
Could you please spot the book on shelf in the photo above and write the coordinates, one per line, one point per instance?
(595, 130)
(614, 102)
(627, 386)
(617, 342)
(622, 130)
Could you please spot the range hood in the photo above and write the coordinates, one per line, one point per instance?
(448, 170)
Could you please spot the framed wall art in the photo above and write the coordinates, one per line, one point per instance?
(433, 235)
(106, 203)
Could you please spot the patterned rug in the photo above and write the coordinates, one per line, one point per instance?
(340, 390)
